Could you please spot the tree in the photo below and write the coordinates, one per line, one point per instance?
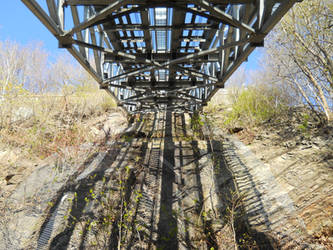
(301, 49)
(12, 64)
(29, 68)
(22, 68)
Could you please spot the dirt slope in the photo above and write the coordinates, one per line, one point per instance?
(163, 186)
(298, 151)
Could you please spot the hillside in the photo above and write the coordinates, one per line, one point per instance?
(173, 134)
(168, 181)
(297, 151)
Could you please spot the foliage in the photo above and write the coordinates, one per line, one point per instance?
(43, 106)
(300, 51)
(196, 124)
(253, 105)
(305, 124)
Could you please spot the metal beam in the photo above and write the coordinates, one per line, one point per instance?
(133, 27)
(133, 57)
(199, 57)
(159, 56)
(49, 23)
(176, 61)
(162, 85)
(53, 28)
(107, 2)
(114, 5)
(273, 20)
(223, 16)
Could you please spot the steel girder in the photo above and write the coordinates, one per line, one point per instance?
(149, 54)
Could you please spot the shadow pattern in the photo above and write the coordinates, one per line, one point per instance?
(163, 202)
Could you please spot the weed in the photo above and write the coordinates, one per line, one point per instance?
(304, 127)
(250, 106)
(41, 124)
(196, 124)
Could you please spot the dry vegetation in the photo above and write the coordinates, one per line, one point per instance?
(47, 114)
(43, 106)
(42, 124)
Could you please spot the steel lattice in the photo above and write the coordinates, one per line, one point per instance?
(153, 54)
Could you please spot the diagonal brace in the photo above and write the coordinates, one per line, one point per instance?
(178, 60)
(114, 5)
(223, 16)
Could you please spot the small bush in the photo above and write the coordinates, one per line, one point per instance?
(196, 124)
(253, 105)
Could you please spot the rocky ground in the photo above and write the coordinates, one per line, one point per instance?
(298, 151)
(20, 173)
(16, 163)
(159, 184)
(152, 188)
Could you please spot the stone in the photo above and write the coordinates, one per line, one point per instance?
(115, 124)
(22, 113)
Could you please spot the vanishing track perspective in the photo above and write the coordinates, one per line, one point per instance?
(162, 184)
(147, 193)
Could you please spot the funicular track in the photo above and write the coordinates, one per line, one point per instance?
(149, 191)
(157, 187)
(148, 205)
(161, 186)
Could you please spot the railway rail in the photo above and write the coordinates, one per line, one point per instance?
(155, 203)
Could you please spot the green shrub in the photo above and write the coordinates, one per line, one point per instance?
(196, 124)
(253, 105)
(303, 128)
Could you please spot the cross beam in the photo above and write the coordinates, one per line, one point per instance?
(150, 53)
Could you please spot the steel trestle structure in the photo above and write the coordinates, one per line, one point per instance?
(157, 54)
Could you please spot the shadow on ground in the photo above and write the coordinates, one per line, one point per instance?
(151, 192)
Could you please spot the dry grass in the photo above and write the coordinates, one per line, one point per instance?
(41, 125)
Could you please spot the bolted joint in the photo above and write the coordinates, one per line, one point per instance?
(103, 86)
(257, 44)
(65, 41)
(257, 40)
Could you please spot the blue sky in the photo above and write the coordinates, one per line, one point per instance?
(18, 24)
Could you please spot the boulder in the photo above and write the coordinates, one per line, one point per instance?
(22, 113)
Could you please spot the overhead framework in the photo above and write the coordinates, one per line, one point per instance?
(157, 54)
